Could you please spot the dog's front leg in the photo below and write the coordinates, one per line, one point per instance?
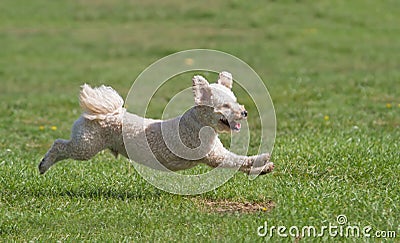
(221, 157)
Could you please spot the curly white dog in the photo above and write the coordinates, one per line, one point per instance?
(175, 144)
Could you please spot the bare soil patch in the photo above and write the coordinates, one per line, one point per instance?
(226, 206)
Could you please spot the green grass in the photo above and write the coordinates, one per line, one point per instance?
(317, 58)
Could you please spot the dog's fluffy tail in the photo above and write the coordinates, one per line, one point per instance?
(100, 102)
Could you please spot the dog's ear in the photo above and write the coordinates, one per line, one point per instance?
(202, 91)
(225, 79)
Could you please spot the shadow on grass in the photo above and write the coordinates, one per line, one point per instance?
(101, 193)
(97, 193)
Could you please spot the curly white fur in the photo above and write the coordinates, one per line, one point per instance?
(101, 127)
(100, 102)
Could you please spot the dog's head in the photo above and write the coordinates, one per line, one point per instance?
(226, 112)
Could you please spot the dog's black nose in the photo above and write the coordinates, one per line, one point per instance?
(244, 113)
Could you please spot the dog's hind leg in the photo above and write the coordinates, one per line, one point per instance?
(86, 141)
(68, 149)
(56, 153)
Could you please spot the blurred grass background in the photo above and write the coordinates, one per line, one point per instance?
(331, 67)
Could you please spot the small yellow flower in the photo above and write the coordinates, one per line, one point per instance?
(189, 61)
(310, 31)
(326, 118)
(41, 128)
(53, 128)
(264, 209)
(388, 105)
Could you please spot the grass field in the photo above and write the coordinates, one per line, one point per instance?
(333, 72)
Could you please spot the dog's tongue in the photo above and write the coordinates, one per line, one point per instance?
(237, 126)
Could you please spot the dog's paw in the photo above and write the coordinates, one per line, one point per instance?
(266, 157)
(262, 165)
(267, 168)
(262, 170)
(261, 160)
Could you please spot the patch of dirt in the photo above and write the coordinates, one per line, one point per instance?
(225, 206)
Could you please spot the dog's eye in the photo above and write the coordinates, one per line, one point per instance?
(227, 105)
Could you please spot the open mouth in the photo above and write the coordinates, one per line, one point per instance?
(235, 126)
